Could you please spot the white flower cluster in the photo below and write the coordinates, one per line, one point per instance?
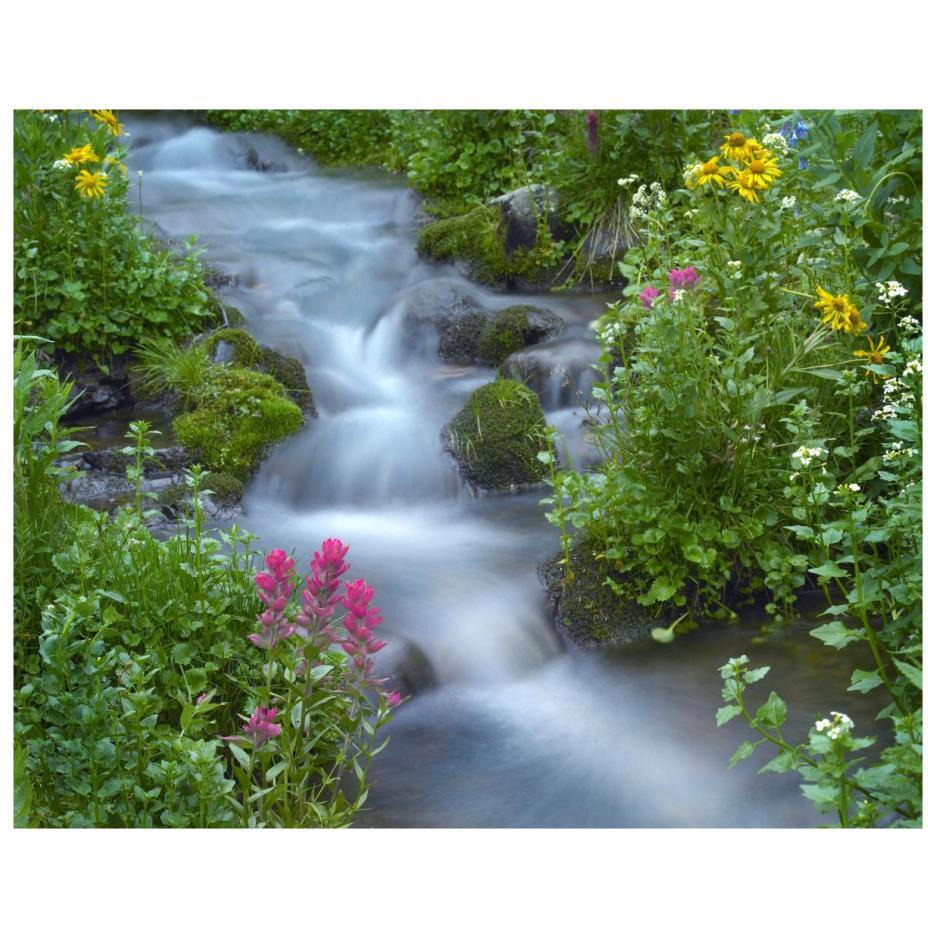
(612, 332)
(848, 488)
(776, 143)
(61, 165)
(806, 456)
(646, 198)
(787, 202)
(909, 324)
(890, 290)
(691, 174)
(627, 181)
(734, 268)
(50, 117)
(897, 450)
(836, 726)
(899, 391)
(756, 437)
(848, 196)
(897, 199)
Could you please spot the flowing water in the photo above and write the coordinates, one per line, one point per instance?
(506, 727)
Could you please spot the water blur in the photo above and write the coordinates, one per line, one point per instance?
(506, 727)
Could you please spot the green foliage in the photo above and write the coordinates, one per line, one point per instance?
(505, 333)
(237, 416)
(290, 374)
(85, 276)
(162, 365)
(498, 435)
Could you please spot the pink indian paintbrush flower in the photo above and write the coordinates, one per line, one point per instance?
(360, 622)
(258, 729)
(319, 599)
(685, 278)
(648, 296)
(274, 590)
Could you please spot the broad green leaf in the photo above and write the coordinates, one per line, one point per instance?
(862, 681)
(837, 635)
(745, 750)
(726, 714)
(772, 712)
(911, 672)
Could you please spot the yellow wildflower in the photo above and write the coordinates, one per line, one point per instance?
(90, 185)
(754, 149)
(761, 172)
(745, 187)
(737, 147)
(839, 312)
(108, 119)
(876, 353)
(82, 154)
(712, 172)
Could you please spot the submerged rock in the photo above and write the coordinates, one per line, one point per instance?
(513, 328)
(586, 611)
(496, 438)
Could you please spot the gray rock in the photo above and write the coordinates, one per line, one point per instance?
(560, 372)
(520, 211)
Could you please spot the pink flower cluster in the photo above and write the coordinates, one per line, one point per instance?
(360, 623)
(258, 729)
(319, 599)
(684, 278)
(274, 590)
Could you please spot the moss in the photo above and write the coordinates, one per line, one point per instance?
(496, 437)
(290, 374)
(239, 415)
(476, 238)
(512, 329)
(586, 609)
(246, 352)
(225, 488)
(174, 495)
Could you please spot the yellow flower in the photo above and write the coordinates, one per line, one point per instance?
(754, 149)
(108, 119)
(713, 172)
(875, 354)
(90, 185)
(737, 147)
(83, 154)
(839, 312)
(745, 187)
(761, 172)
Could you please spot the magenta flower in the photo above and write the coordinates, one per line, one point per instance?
(648, 296)
(327, 567)
(318, 599)
(393, 699)
(592, 131)
(258, 729)
(685, 278)
(360, 623)
(274, 590)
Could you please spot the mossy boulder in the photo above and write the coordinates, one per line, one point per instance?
(233, 346)
(239, 415)
(514, 328)
(497, 436)
(224, 489)
(586, 610)
(290, 374)
(476, 242)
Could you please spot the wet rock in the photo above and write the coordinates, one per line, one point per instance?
(586, 611)
(520, 211)
(406, 665)
(513, 328)
(114, 461)
(496, 438)
(95, 389)
(560, 372)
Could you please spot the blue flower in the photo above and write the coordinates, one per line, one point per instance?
(803, 163)
(802, 130)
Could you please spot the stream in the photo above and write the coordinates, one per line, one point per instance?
(506, 728)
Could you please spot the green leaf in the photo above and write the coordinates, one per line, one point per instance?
(862, 681)
(911, 672)
(837, 635)
(828, 569)
(772, 712)
(182, 652)
(752, 676)
(726, 714)
(662, 588)
(276, 770)
(745, 750)
(240, 755)
(663, 635)
(783, 762)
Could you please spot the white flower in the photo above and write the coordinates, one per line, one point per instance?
(897, 199)
(51, 117)
(690, 173)
(848, 196)
(890, 290)
(734, 265)
(140, 173)
(854, 486)
(909, 324)
(775, 142)
(61, 165)
(806, 456)
(787, 202)
(627, 181)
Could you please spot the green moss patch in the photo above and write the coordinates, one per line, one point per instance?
(289, 373)
(246, 352)
(477, 239)
(239, 415)
(514, 328)
(496, 437)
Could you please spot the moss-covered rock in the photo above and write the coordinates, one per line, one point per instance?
(496, 437)
(514, 328)
(225, 489)
(290, 374)
(586, 610)
(239, 415)
(235, 346)
(476, 242)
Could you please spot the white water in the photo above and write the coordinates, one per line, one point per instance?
(515, 731)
